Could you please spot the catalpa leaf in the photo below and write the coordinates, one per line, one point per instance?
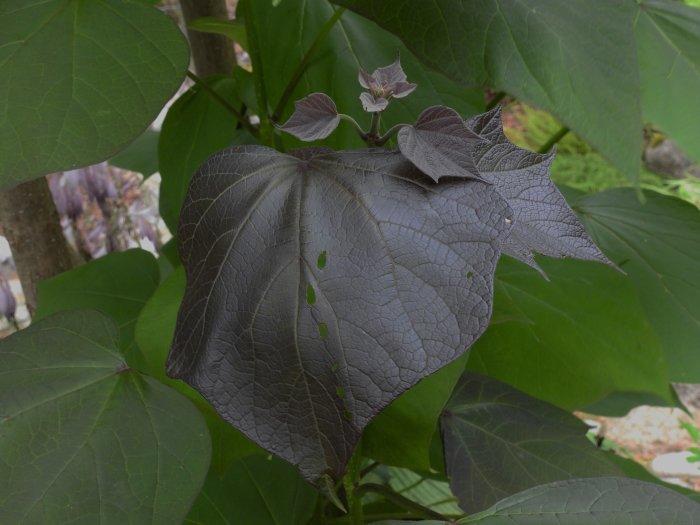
(543, 221)
(315, 118)
(440, 144)
(320, 288)
(499, 441)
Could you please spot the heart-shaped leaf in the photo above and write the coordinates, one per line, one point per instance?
(315, 117)
(440, 144)
(658, 244)
(319, 289)
(80, 80)
(254, 491)
(499, 441)
(84, 439)
(118, 284)
(544, 223)
(528, 48)
(592, 501)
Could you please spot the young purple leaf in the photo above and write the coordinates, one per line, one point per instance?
(440, 145)
(385, 83)
(373, 104)
(543, 221)
(315, 117)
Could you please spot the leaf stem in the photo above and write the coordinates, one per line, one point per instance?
(354, 497)
(553, 140)
(348, 118)
(267, 136)
(221, 100)
(299, 71)
(390, 133)
(372, 137)
(400, 500)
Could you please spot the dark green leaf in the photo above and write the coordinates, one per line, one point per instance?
(570, 341)
(85, 440)
(254, 491)
(80, 80)
(658, 245)
(593, 501)
(233, 29)
(140, 156)
(576, 59)
(405, 290)
(154, 332)
(401, 435)
(668, 43)
(118, 284)
(353, 43)
(499, 441)
(195, 127)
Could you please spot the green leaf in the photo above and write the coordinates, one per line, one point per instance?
(140, 156)
(576, 59)
(80, 80)
(593, 501)
(432, 493)
(570, 341)
(658, 245)
(155, 325)
(353, 43)
(402, 433)
(195, 127)
(668, 44)
(233, 29)
(503, 441)
(118, 284)
(84, 439)
(154, 332)
(254, 491)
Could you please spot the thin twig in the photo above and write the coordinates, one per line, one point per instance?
(299, 71)
(221, 100)
(553, 140)
(400, 500)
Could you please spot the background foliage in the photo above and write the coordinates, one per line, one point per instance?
(90, 422)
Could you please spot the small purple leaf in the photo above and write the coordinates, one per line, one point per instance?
(543, 221)
(315, 118)
(440, 145)
(385, 83)
(373, 104)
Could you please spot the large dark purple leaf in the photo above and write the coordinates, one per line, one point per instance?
(440, 144)
(321, 288)
(315, 117)
(543, 221)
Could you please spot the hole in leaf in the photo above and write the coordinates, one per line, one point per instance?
(310, 294)
(334, 367)
(508, 221)
(321, 261)
(323, 329)
(347, 415)
(470, 275)
(340, 391)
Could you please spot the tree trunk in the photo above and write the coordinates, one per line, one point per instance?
(30, 222)
(212, 54)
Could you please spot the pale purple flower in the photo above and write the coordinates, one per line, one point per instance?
(383, 84)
